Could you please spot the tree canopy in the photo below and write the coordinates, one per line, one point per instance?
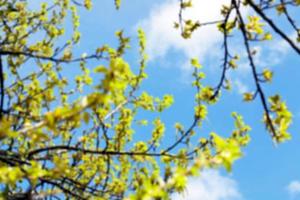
(77, 137)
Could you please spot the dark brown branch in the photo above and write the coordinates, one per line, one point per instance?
(1, 88)
(170, 148)
(49, 58)
(273, 26)
(226, 55)
(67, 191)
(289, 18)
(254, 72)
(89, 151)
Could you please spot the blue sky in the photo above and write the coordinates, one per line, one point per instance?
(265, 172)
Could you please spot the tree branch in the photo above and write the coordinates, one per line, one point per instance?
(254, 72)
(1, 88)
(273, 26)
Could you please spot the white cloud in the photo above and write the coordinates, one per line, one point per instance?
(206, 42)
(294, 188)
(277, 51)
(268, 54)
(162, 37)
(240, 87)
(211, 185)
